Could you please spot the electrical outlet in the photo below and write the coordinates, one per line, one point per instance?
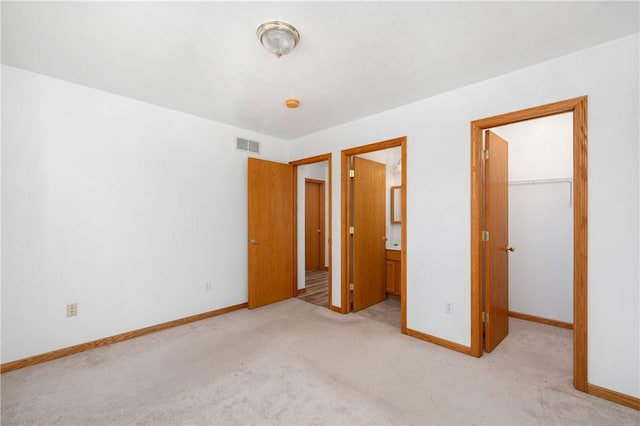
(448, 308)
(72, 310)
(207, 286)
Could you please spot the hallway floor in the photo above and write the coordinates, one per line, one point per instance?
(316, 288)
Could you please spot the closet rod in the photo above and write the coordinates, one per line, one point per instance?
(541, 181)
(547, 181)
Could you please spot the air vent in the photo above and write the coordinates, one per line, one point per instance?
(247, 145)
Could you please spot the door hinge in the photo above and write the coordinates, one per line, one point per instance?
(351, 286)
(352, 173)
(485, 317)
(351, 230)
(484, 155)
(485, 235)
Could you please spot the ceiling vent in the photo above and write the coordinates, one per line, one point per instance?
(247, 145)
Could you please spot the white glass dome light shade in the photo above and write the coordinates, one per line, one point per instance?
(278, 37)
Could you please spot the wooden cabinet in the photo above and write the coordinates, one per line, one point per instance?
(393, 271)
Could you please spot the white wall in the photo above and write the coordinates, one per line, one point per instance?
(541, 217)
(541, 148)
(438, 195)
(125, 208)
(318, 171)
(541, 268)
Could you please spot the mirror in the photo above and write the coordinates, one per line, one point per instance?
(396, 198)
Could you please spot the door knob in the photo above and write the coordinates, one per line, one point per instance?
(509, 248)
(254, 242)
(318, 230)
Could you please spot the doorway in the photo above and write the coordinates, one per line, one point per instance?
(540, 218)
(353, 268)
(312, 177)
(273, 235)
(479, 235)
(528, 215)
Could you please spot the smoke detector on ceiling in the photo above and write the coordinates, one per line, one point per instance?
(292, 103)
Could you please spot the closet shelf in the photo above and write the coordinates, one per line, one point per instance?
(541, 181)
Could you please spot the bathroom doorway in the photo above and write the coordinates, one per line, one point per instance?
(364, 262)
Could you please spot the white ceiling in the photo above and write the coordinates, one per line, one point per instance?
(354, 59)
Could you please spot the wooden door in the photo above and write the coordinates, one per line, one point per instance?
(270, 232)
(369, 195)
(496, 267)
(313, 224)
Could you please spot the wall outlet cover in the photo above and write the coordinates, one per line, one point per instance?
(72, 310)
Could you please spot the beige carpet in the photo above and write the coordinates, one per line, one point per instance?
(296, 363)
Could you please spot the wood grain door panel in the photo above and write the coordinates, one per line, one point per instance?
(369, 196)
(270, 232)
(314, 225)
(496, 256)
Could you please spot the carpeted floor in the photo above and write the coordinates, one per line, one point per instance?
(296, 363)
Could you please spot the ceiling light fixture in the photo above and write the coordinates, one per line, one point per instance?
(278, 37)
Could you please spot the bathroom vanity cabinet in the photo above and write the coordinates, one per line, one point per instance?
(393, 271)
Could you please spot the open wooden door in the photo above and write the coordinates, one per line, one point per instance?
(270, 232)
(314, 225)
(369, 195)
(496, 265)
